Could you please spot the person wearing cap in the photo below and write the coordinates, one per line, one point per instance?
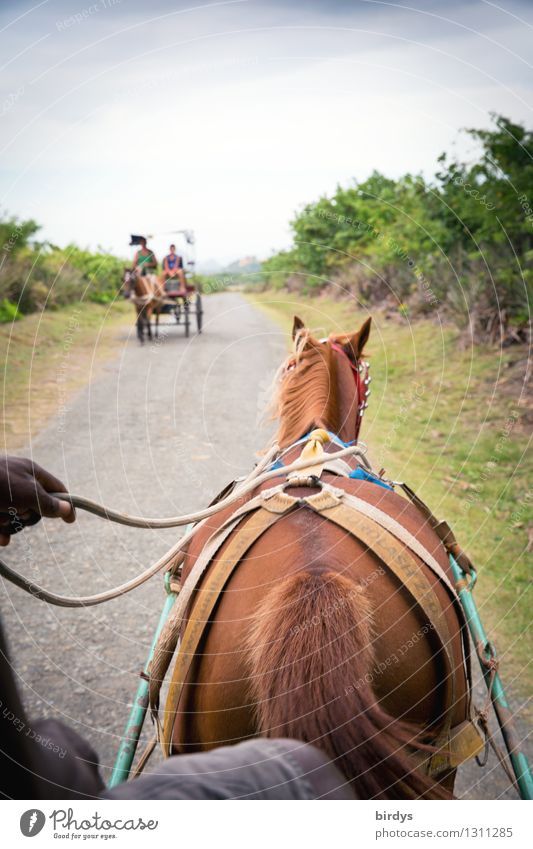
(144, 259)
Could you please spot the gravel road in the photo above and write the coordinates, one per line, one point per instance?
(159, 431)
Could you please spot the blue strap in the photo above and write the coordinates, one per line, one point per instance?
(334, 438)
(362, 475)
(356, 474)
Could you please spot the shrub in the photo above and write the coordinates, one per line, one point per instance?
(8, 311)
(34, 276)
(461, 243)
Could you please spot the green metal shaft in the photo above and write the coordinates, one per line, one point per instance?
(486, 652)
(134, 725)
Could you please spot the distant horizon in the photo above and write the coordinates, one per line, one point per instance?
(226, 118)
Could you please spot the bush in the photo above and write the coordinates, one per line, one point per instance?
(8, 311)
(461, 243)
(34, 276)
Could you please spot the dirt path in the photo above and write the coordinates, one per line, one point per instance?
(159, 432)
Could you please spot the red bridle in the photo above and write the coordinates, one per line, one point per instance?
(361, 378)
(362, 383)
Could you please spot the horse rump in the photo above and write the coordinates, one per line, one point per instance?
(311, 658)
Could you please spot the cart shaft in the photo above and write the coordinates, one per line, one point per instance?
(134, 725)
(486, 652)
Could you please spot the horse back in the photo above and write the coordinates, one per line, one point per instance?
(409, 668)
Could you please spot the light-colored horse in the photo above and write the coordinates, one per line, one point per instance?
(147, 295)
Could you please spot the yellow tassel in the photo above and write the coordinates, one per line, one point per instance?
(312, 449)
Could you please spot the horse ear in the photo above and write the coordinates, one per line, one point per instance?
(356, 343)
(297, 325)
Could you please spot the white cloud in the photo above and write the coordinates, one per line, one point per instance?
(227, 119)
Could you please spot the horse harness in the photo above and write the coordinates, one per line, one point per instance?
(379, 532)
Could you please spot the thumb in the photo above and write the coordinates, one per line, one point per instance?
(53, 507)
(66, 511)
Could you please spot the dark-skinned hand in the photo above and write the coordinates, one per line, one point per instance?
(25, 489)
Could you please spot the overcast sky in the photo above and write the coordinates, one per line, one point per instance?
(122, 116)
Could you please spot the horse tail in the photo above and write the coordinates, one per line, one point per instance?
(311, 659)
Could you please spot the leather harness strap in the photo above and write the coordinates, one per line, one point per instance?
(401, 563)
(442, 529)
(447, 537)
(328, 502)
(454, 744)
(168, 639)
(208, 596)
(394, 527)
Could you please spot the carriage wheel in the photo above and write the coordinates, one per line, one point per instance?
(199, 312)
(187, 317)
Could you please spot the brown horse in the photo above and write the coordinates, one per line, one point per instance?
(313, 637)
(146, 293)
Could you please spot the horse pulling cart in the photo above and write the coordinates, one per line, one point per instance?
(231, 600)
(172, 294)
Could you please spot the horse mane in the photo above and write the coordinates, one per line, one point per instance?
(305, 395)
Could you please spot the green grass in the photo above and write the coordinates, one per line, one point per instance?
(49, 355)
(448, 422)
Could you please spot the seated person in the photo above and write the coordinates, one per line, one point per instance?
(144, 259)
(173, 273)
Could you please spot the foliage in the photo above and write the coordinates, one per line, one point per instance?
(36, 275)
(15, 234)
(102, 271)
(461, 242)
(8, 311)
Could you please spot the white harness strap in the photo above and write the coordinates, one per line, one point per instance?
(142, 300)
(401, 534)
(168, 638)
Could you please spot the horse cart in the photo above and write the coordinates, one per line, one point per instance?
(184, 308)
(175, 293)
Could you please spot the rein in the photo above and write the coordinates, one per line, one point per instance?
(258, 476)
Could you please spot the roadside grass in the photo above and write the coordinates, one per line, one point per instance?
(454, 424)
(47, 356)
